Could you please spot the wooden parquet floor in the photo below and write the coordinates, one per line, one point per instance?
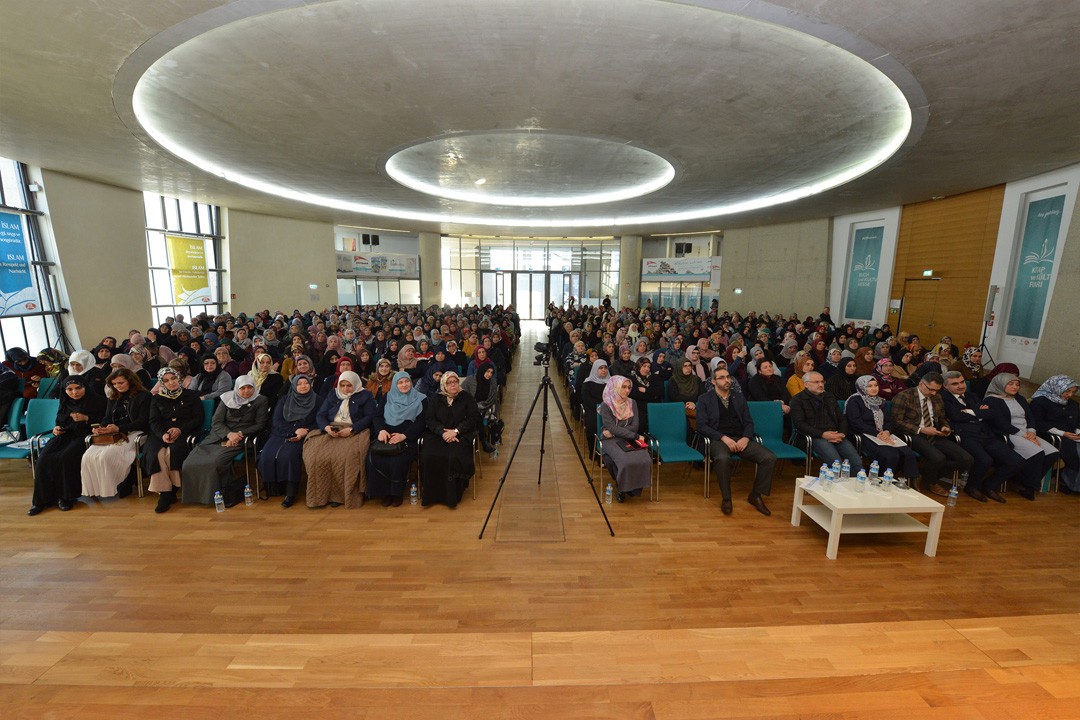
(111, 611)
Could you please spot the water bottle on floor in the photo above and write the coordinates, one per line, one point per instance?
(608, 492)
(412, 494)
(860, 485)
(219, 502)
(249, 497)
(953, 492)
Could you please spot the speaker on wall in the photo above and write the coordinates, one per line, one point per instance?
(990, 303)
(374, 240)
(365, 239)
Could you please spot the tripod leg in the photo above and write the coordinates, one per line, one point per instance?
(580, 457)
(543, 434)
(510, 461)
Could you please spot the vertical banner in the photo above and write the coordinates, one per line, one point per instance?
(16, 285)
(1035, 267)
(863, 273)
(187, 257)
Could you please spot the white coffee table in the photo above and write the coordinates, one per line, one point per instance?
(844, 511)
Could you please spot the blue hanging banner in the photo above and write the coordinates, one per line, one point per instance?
(863, 273)
(1035, 267)
(16, 285)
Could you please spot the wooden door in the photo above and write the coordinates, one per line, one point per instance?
(919, 311)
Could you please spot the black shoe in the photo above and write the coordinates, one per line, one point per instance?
(165, 501)
(34, 510)
(387, 501)
(1025, 492)
(288, 502)
(974, 494)
(995, 496)
(66, 505)
(725, 507)
(397, 502)
(124, 489)
(759, 504)
(620, 497)
(1065, 490)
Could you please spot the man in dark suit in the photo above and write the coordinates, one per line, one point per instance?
(920, 413)
(987, 449)
(724, 417)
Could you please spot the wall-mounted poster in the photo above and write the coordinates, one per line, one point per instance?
(1034, 267)
(863, 270)
(684, 269)
(187, 258)
(386, 265)
(16, 284)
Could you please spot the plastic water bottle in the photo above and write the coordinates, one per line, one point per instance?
(249, 497)
(219, 502)
(845, 469)
(953, 492)
(412, 494)
(830, 479)
(886, 482)
(963, 479)
(875, 470)
(608, 492)
(823, 476)
(860, 485)
(836, 470)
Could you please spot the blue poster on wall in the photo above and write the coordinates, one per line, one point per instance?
(1035, 267)
(863, 273)
(16, 285)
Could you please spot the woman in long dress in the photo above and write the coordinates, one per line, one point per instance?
(632, 469)
(867, 414)
(335, 456)
(281, 460)
(56, 474)
(175, 413)
(106, 469)
(1008, 413)
(452, 420)
(1055, 415)
(399, 420)
(242, 413)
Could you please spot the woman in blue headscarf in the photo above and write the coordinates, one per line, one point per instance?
(281, 461)
(400, 420)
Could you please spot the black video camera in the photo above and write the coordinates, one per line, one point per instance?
(543, 351)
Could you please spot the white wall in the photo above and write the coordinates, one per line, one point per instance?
(97, 234)
(273, 260)
(843, 234)
(1064, 295)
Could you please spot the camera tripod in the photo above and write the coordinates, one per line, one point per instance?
(545, 388)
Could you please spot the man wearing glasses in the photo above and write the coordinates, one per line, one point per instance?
(920, 413)
(724, 418)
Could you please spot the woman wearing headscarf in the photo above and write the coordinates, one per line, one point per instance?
(888, 386)
(81, 364)
(212, 382)
(281, 459)
(623, 364)
(27, 368)
(399, 420)
(788, 350)
(864, 361)
(175, 413)
(381, 380)
(970, 364)
(619, 417)
(103, 354)
(945, 347)
(1007, 413)
(452, 420)
(641, 350)
(646, 390)
(407, 361)
(107, 469)
(767, 386)
(484, 388)
(123, 361)
(456, 356)
(268, 380)
(662, 370)
(57, 477)
(842, 384)
(592, 394)
(335, 455)
(868, 415)
(242, 413)
(1056, 416)
(697, 365)
(801, 365)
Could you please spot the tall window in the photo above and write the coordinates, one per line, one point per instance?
(29, 312)
(183, 246)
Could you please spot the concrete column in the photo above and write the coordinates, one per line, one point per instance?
(430, 269)
(629, 271)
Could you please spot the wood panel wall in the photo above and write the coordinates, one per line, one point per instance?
(956, 237)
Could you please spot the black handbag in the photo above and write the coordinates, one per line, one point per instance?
(385, 449)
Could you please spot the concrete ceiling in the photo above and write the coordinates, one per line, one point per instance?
(544, 117)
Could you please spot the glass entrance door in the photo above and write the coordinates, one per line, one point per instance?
(493, 288)
(530, 294)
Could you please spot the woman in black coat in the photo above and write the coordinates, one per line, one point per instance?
(645, 390)
(868, 416)
(281, 460)
(452, 420)
(175, 413)
(592, 394)
(1056, 416)
(57, 477)
(399, 420)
